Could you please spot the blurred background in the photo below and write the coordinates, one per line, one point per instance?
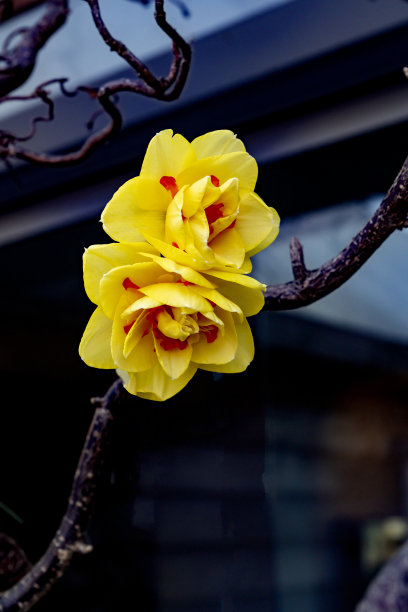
(280, 489)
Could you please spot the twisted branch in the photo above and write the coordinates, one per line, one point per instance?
(69, 539)
(160, 88)
(21, 59)
(309, 286)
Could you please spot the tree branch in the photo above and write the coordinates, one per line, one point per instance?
(21, 59)
(388, 591)
(69, 539)
(309, 286)
(161, 88)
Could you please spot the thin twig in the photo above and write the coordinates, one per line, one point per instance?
(312, 285)
(160, 88)
(22, 57)
(69, 539)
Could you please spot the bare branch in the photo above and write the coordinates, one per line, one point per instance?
(21, 58)
(161, 88)
(69, 539)
(388, 591)
(310, 286)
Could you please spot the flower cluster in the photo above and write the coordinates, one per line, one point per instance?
(173, 293)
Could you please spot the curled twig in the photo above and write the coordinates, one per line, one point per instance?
(161, 88)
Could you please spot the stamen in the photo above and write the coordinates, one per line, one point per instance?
(169, 183)
(215, 181)
(128, 284)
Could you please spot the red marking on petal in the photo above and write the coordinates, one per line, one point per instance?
(232, 224)
(211, 333)
(215, 181)
(127, 328)
(213, 213)
(182, 216)
(184, 282)
(146, 331)
(212, 303)
(169, 183)
(175, 245)
(128, 284)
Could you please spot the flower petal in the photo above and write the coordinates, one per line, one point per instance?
(94, 348)
(141, 358)
(155, 384)
(222, 349)
(240, 165)
(217, 143)
(266, 242)
(244, 354)
(228, 248)
(99, 259)
(111, 285)
(137, 203)
(186, 273)
(177, 294)
(235, 277)
(217, 298)
(167, 155)
(256, 221)
(174, 362)
(200, 193)
(174, 226)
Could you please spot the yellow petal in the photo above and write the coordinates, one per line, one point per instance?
(177, 294)
(228, 248)
(200, 193)
(222, 349)
(141, 358)
(269, 238)
(256, 221)
(143, 304)
(174, 225)
(215, 296)
(155, 384)
(99, 259)
(244, 354)
(239, 165)
(229, 196)
(217, 143)
(174, 362)
(249, 299)
(176, 254)
(235, 277)
(94, 348)
(111, 285)
(198, 233)
(167, 155)
(136, 333)
(186, 273)
(123, 216)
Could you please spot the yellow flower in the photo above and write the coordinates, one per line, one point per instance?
(157, 321)
(195, 203)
